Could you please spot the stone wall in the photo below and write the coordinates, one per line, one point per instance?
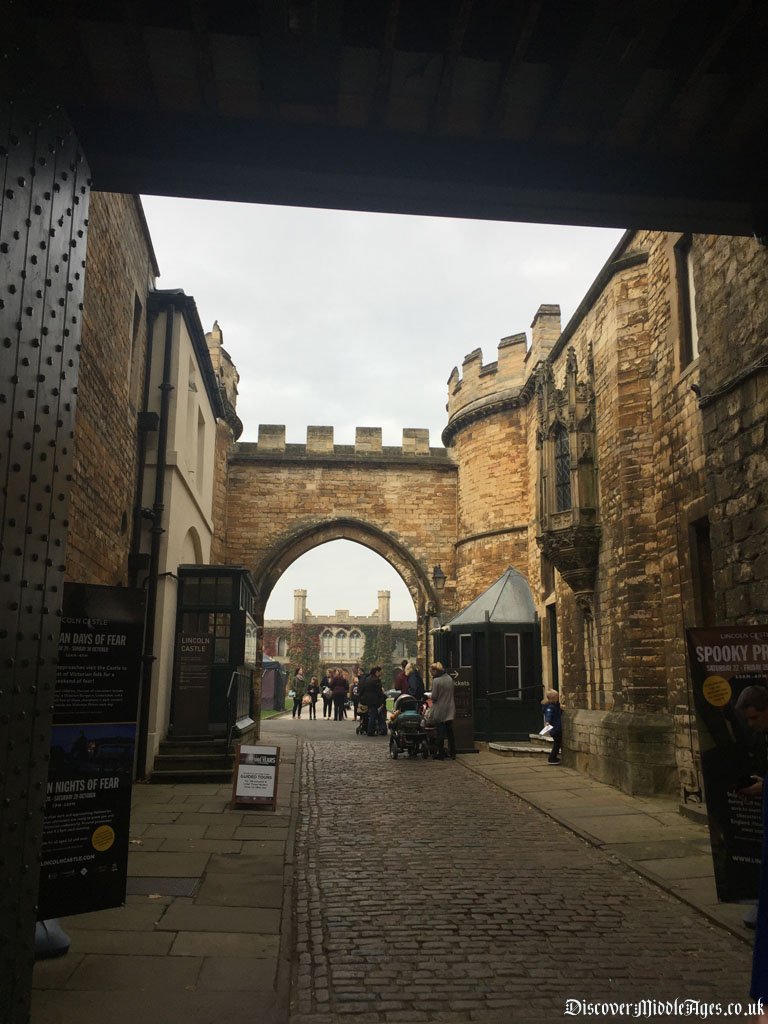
(622, 665)
(284, 499)
(732, 300)
(121, 271)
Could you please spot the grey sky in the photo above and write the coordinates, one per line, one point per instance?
(351, 319)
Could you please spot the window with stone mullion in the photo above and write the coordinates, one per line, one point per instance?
(562, 470)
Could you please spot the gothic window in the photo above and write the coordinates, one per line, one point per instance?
(282, 647)
(340, 638)
(327, 642)
(354, 644)
(250, 646)
(562, 469)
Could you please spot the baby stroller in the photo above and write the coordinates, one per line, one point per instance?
(362, 720)
(407, 732)
(362, 725)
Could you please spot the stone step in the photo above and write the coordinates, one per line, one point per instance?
(193, 746)
(221, 778)
(519, 750)
(188, 762)
(536, 737)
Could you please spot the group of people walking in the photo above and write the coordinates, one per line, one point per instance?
(365, 691)
(333, 689)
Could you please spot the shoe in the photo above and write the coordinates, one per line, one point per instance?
(553, 760)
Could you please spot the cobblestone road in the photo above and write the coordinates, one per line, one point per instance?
(426, 894)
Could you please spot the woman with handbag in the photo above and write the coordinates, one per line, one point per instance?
(298, 692)
(313, 692)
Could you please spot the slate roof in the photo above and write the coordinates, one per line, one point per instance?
(508, 600)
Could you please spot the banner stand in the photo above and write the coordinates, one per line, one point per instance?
(254, 782)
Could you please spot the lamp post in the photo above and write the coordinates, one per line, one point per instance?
(438, 581)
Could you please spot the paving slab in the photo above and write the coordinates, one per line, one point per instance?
(683, 868)
(142, 815)
(184, 915)
(661, 849)
(221, 944)
(158, 1007)
(132, 917)
(228, 890)
(57, 971)
(246, 866)
(167, 865)
(236, 974)
(255, 843)
(144, 844)
(200, 846)
(175, 830)
(223, 830)
(103, 973)
(130, 943)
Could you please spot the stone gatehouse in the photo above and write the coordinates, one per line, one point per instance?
(617, 461)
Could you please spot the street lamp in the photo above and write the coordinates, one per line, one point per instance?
(438, 578)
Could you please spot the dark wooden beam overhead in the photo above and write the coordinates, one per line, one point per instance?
(588, 112)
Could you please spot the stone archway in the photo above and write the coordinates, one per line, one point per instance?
(295, 543)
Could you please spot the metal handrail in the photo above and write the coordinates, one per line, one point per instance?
(243, 696)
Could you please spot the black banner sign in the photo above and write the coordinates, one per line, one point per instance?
(725, 660)
(194, 660)
(88, 804)
(464, 720)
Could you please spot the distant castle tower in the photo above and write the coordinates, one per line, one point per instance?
(299, 606)
(383, 607)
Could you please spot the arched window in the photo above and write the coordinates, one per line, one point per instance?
(282, 647)
(327, 642)
(341, 637)
(250, 645)
(355, 647)
(562, 469)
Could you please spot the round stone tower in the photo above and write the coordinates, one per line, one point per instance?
(491, 433)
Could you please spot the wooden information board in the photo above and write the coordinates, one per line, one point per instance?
(255, 778)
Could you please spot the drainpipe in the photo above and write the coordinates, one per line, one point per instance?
(157, 531)
(147, 423)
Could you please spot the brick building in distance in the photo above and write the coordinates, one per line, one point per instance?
(340, 640)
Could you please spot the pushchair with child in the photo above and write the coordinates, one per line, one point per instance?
(407, 732)
(362, 725)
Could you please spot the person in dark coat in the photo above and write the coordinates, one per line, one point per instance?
(415, 682)
(339, 690)
(313, 692)
(298, 692)
(372, 695)
(401, 679)
(358, 678)
(326, 693)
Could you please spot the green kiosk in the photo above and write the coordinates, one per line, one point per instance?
(494, 645)
(216, 651)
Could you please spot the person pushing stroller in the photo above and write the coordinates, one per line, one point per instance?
(372, 696)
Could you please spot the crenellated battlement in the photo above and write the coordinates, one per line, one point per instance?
(510, 370)
(320, 444)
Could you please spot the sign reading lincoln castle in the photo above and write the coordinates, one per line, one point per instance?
(616, 462)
